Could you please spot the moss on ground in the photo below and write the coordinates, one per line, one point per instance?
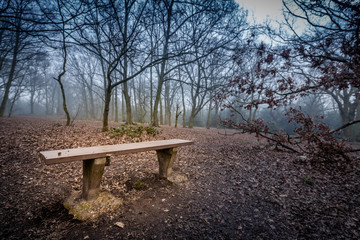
(90, 210)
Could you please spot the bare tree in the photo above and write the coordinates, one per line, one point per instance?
(12, 36)
(331, 50)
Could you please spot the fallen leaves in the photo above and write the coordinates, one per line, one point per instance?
(235, 187)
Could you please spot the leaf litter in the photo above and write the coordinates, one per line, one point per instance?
(236, 188)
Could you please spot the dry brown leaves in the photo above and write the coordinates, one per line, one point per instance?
(238, 188)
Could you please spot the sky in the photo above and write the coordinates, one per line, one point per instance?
(261, 9)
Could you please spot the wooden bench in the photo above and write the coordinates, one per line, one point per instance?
(96, 158)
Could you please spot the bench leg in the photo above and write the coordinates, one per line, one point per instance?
(166, 159)
(93, 170)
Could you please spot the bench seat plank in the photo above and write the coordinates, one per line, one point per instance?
(78, 154)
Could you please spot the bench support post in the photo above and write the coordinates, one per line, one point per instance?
(93, 170)
(166, 159)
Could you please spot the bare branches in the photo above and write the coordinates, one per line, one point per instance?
(323, 61)
(345, 126)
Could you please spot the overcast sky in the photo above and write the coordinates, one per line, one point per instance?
(262, 8)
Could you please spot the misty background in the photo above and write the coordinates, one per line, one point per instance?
(158, 62)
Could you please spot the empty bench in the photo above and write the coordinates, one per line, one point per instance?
(96, 158)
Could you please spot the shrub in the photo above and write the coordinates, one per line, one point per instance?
(132, 131)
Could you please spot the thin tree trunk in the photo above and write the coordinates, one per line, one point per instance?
(136, 108)
(127, 103)
(357, 126)
(126, 93)
(116, 106)
(151, 93)
(85, 102)
(161, 114)
(92, 104)
(208, 120)
(112, 112)
(216, 116)
(155, 121)
(16, 96)
(47, 107)
(177, 114)
(141, 107)
(11, 75)
(58, 79)
(106, 108)
(32, 95)
(167, 104)
(122, 108)
(12, 106)
(54, 93)
(184, 107)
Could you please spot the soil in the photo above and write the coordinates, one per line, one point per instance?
(238, 188)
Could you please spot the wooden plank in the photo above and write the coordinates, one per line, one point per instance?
(78, 154)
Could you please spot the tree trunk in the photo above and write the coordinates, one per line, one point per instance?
(168, 101)
(123, 119)
(165, 107)
(58, 102)
(85, 102)
(112, 111)
(11, 75)
(47, 102)
(208, 120)
(116, 106)
(106, 109)
(127, 103)
(54, 93)
(216, 116)
(347, 111)
(155, 121)
(141, 102)
(64, 103)
(357, 126)
(32, 95)
(126, 93)
(151, 94)
(136, 102)
(16, 96)
(191, 121)
(58, 79)
(184, 107)
(177, 114)
(12, 106)
(161, 113)
(157, 102)
(92, 104)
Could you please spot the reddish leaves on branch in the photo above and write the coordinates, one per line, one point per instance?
(282, 75)
(317, 139)
(314, 139)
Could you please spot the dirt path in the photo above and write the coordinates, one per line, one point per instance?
(238, 188)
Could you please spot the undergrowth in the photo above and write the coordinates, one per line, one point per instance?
(134, 131)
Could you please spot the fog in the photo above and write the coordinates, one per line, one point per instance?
(157, 62)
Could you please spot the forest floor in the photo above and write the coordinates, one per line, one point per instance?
(237, 188)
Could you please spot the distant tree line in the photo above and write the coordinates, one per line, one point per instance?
(135, 59)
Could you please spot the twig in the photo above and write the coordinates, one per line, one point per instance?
(345, 126)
